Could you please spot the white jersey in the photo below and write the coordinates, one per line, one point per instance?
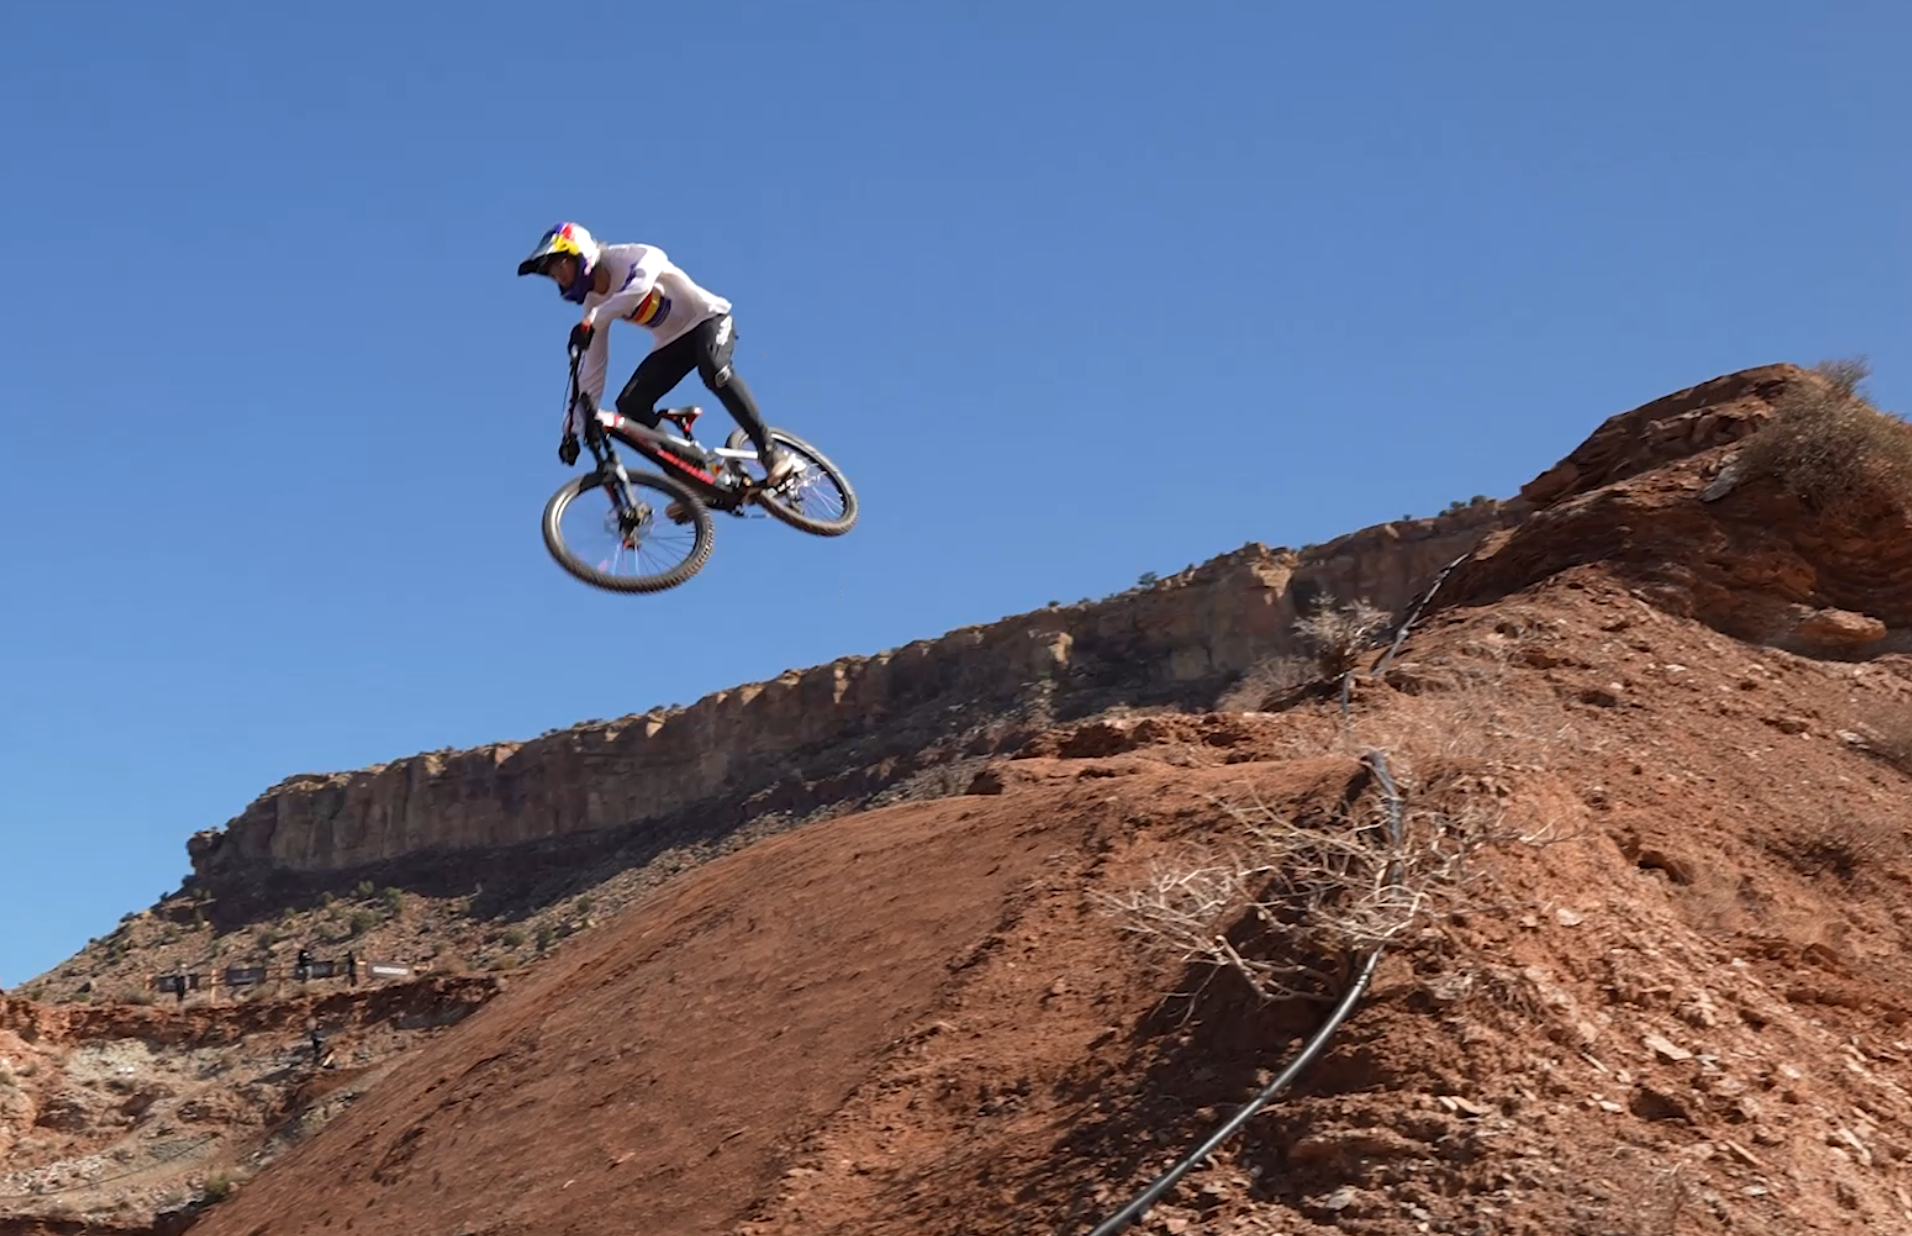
(647, 288)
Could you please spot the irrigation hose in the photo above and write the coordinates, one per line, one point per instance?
(1400, 632)
(1376, 764)
(1414, 612)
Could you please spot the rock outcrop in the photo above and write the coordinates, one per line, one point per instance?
(1654, 497)
(1675, 427)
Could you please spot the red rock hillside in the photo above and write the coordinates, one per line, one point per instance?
(1639, 870)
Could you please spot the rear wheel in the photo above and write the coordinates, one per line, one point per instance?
(653, 554)
(815, 498)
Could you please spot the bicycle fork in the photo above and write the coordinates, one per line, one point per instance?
(630, 509)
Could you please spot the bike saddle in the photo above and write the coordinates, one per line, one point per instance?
(683, 418)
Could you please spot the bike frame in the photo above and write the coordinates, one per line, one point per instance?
(699, 467)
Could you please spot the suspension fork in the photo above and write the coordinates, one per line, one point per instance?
(623, 496)
(623, 500)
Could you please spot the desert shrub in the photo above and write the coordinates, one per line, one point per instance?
(1469, 712)
(363, 921)
(1336, 635)
(1839, 843)
(1847, 374)
(1285, 904)
(514, 937)
(1830, 447)
(1886, 732)
(1266, 681)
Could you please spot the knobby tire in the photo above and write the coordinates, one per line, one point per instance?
(803, 523)
(571, 490)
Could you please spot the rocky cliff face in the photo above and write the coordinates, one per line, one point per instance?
(867, 721)
(1183, 638)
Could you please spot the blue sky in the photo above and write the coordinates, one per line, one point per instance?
(1072, 291)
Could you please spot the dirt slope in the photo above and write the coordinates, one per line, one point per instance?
(662, 1075)
(1665, 723)
(1684, 1013)
(1648, 974)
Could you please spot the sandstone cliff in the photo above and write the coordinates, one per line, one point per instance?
(1183, 638)
(856, 725)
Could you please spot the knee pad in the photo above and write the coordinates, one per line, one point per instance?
(713, 361)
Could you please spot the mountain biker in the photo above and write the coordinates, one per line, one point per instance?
(690, 326)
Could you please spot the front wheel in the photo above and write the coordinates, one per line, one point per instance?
(815, 498)
(598, 549)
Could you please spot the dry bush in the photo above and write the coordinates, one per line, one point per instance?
(1337, 635)
(1300, 900)
(1473, 712)
(1840, 843)
(1886, 732)
(1265, 682)
(1831, 447)
(1847, 374)
(1334, 637)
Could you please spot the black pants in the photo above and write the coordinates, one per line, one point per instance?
(705, 348)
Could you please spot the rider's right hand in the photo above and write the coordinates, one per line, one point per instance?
(568, 450)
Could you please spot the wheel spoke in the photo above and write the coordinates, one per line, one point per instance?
(588, 539)
(834, 509)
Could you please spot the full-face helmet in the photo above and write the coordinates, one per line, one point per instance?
(562, 241)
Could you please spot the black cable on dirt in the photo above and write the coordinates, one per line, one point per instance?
(1413, 615)
(1414, 612)
(1376, 764)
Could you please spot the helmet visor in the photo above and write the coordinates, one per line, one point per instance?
(553, 244)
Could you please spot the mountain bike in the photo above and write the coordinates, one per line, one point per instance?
(645, 513)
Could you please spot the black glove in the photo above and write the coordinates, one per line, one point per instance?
(580, 337)
(568, 450)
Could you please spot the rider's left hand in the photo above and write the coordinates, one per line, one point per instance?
(568, 450)
(581, 336)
